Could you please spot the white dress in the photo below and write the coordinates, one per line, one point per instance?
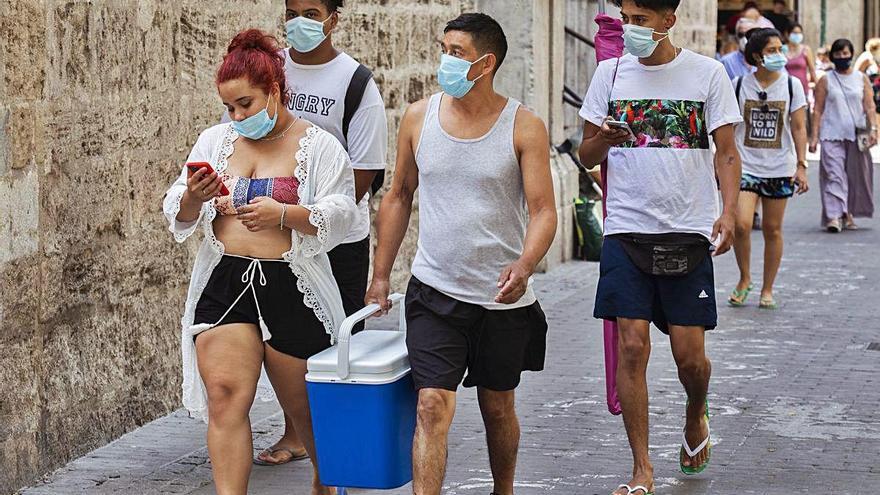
(326, 189)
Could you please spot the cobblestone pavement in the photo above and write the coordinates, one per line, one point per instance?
(795, 396)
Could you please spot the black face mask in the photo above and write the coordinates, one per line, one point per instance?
(842, 63)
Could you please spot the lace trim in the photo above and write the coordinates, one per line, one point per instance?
(303, 155)
(227, 147)
(305, 285)
(304, 282)
(318, 220)
(175, 209)
(316, 216)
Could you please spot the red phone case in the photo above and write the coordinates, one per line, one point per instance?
(195, 166)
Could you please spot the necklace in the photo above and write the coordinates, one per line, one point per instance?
(279, 136)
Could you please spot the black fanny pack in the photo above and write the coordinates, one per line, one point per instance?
(668, 255)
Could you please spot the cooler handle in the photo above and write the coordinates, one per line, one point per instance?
(349, 323)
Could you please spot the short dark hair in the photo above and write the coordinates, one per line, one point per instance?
(758, 40)
(748, 34)
(655, 5)
(486, 32)
(840, 44)
(332, 5)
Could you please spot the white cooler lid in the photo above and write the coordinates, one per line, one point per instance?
(375, 357)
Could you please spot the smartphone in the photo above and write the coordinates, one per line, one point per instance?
(623, 126)
(195, 166)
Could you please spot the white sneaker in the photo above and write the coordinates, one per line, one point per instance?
(833, 226)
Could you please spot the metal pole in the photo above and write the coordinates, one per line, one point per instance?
(603, 6)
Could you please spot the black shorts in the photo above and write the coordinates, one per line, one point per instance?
(446, 337)
(626, 292)
(295, 329)
(351, 267)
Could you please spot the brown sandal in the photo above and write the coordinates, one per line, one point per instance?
(849, 223)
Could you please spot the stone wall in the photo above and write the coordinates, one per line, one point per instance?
(100, 102)
(580, 58)
(696, 26)
(843, 19)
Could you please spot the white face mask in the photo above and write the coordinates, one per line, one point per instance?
(639, 40)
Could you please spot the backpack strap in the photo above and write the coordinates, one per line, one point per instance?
(614, 78)
(739, 86)
(354, 95)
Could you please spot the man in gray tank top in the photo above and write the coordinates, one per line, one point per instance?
(486, 218)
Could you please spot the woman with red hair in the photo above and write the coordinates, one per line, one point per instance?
(278, 196)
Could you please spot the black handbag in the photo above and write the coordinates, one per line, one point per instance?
(665, 255)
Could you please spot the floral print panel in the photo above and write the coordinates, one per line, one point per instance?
(678, 124)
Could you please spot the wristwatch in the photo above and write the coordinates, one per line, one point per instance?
(803, 163)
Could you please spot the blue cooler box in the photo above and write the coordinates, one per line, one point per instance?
(363, 406)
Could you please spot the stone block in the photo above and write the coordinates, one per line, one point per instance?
(19, 215)
(4, 141)
(24, 49)
(23, 134)
(20, 364)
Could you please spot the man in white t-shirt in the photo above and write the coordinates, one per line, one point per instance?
(663, 212)
(320, 79)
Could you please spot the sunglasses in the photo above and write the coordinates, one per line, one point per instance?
(763, 97)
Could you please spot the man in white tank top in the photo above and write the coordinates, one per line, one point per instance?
(480, 160)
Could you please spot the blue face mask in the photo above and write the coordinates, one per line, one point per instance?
(257, 126)
(796, 38)
(453, 73)
(304, 35)
(775, 62)
(639, 40)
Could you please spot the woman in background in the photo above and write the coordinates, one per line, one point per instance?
(801, 64)
(775, 167)
(845, 122)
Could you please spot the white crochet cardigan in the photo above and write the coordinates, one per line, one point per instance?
(326, 189)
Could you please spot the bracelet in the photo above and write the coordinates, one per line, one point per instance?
(283, 211)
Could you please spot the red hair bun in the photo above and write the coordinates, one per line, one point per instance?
(257, 56)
